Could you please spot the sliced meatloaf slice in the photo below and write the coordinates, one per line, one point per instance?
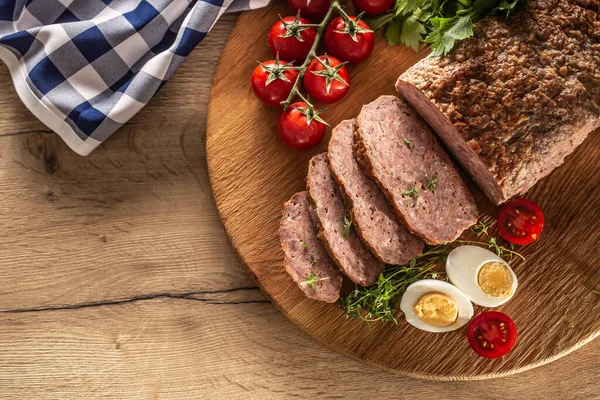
(514, 100)
(335, 232)
(306, 260)
(374, 219)
(399, 151)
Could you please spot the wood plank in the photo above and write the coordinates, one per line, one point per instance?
(252, 174)
(135, 217)
(188, 349)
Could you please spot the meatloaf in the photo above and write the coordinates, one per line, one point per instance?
(374, 219)
(399, 151)
(306, 260)
(513, 101)
(335, 226)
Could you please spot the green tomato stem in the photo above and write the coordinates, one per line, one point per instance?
(335, 6)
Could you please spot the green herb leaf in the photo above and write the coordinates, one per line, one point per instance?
(446, 31)
(502, 251)
(380, 21)
(412, 32)
(393, 31)
(408, 6)
(440, 23)
(408, 143)
(431, 184)
(312, 280)
(304, 245)
(347, 225)
(378, 302)
(414, 193)
(509, 8)
(481, 227)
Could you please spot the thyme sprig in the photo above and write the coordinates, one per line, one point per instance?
(378, 302)
(481, 228)
(313, 279)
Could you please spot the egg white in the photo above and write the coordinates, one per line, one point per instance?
(420, 288)
(462, 268)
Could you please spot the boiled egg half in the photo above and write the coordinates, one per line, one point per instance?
(484, 277)
(435, 306)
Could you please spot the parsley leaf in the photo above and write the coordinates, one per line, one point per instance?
(441, 23)
(412, 32)
(447, 31)
(393, 31)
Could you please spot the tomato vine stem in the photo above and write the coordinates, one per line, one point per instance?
(312, 54)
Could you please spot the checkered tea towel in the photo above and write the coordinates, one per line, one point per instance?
(85, 67)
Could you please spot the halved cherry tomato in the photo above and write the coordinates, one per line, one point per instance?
(300, 128)
(290, 39)
(272, 83)
(492, 334)
(327, 79)
(520, 221)
(314, 10)
(373, 7)
(352, 43)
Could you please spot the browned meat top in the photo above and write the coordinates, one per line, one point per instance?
(521, 84)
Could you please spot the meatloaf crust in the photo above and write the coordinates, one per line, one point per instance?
(399, 151)
(513, 101)
(343, 245)
(304, 254)
(374, 219)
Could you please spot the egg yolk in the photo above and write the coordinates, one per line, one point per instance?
(436, 309)
(495, 279)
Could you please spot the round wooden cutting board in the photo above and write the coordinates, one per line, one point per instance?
(556, 307)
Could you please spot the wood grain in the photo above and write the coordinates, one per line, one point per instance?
(118, 322)
(252, 174)
(130, 218)
(190, 349)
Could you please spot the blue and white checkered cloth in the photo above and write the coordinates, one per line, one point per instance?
(85, 67)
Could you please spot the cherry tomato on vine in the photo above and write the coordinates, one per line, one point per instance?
(314, 10)
(520, 221)
(300, 127)
(340, 40)
(327, 79)
(272, 83)
(290, 39)
(373, 7)
(492, 334)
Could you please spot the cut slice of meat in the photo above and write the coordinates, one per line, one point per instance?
(334, 226)
(513, 101)
(399, 151)
(306, 260)
(374, 219)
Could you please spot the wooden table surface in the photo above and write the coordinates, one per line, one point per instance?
(117, 279)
